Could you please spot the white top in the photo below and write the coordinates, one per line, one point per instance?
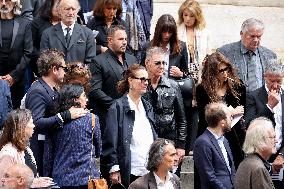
(277, 110)
(167, 60)
(9, 155)
(164, 185)
(64, 28)
(142, 138)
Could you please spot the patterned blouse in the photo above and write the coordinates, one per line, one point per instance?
(73, 149)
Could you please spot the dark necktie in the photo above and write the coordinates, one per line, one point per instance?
(251, 72)
(67, 36)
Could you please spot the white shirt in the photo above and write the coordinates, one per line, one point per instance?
(142, 138)
(65, 30)
(220, 140)
(167, 60)
(164, 185)
(277, 110)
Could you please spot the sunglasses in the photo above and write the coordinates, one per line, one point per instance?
(224, 70)
(65, 68)
(157, 63)
(142, 79)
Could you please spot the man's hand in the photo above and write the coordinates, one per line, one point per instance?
(238, 110)
(180, 154)
(273, 98)
(8, 78)
(277, 164)
(103, 49)
(77, 112)
(175, 72)
(115, 177)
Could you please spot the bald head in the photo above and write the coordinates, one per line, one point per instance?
(17, 177)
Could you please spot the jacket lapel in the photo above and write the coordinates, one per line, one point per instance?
(152, 181)
(15, 31)
(75, 35)
(111, 61)
(0, 34)
(59, 34)
(263, 96)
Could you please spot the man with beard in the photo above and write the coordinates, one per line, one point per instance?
(16, 48)
(211, 154)
(107, 70)
(41, 99)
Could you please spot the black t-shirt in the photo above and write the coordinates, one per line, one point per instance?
(6, 34)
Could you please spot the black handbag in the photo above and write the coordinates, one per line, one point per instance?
(187, 87)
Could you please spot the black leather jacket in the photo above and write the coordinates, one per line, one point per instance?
(169, 111)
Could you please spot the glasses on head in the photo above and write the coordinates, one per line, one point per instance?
(65, 68)
(142, 79)
(224, 70)
(157, 63)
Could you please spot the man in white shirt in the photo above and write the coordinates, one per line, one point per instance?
(161, 160)
(267, 101)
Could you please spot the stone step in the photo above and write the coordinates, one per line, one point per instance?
(187, 173)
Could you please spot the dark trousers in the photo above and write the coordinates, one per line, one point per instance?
(37, 146)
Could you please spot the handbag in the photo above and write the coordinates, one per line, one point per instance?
(187, 87)
(95, 183)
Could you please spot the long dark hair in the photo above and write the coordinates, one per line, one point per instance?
(210, 76)
(166, 23)
(45, 11)
(101, 4)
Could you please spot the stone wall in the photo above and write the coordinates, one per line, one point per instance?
(224, 21)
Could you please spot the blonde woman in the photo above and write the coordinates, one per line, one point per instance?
(192, 30)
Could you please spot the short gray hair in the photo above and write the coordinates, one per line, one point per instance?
(59, 4)
(256, 136)
(24, 171)
(153, 50)
(274, 66)
(252, 23)
(156, 153)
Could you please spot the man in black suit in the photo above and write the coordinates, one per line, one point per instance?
(15, 48)
(76, 41)
(268, 101)
(107, 70)
(41, 99)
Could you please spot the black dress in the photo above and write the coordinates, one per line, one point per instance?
(236, 135)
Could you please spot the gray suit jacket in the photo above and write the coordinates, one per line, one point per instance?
(148, 181)
(252, 174)
(82, 46)
(233, 52)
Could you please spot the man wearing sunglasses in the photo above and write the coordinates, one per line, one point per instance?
(167, 102)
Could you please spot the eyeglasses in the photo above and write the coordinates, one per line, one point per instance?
(224, 70)
(65, 68)
(157, 63)
(142, 79)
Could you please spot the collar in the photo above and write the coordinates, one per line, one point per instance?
(218, 138)
(244, 50)
(164, 81)
(115, 56)
(266, 164)
(64, 26)
(159, 181)
(99, 20)
(132, 105)
(266, 88)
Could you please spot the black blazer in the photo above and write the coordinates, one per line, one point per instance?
(104, 79)
(179, 60)
(256, 107)
(82, 46)
(20, 51)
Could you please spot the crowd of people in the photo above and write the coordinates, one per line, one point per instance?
(81, 84)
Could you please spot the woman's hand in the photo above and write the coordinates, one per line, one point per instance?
(238, 110)
(175, 72)
(42, 182)
(77, 112)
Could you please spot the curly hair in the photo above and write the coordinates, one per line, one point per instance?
(78, 73)
(195, 8)
(123, 85)
(166, 23)
(210, 76)
(14, 129)
(48, 59)
(68, 96)
(102, 4)
(156, 153)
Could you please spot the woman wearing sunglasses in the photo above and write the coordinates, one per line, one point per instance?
(220, 83)
(129, 130)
